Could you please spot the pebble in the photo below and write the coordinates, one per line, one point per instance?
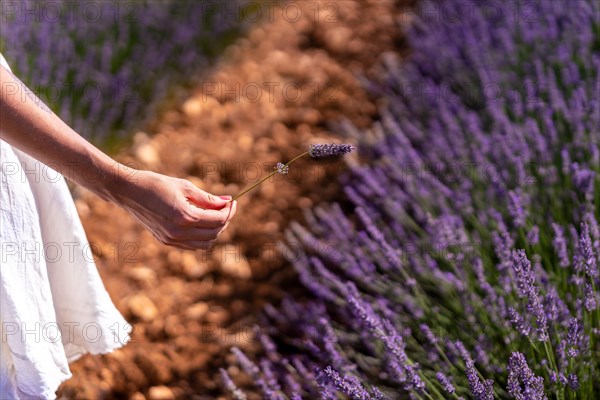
(193, 268)
(145, 149)
(148, 154)
(245, 141)
(305, 202)
(173, 326)
(160, 393)
(144, 275)
(107, 376)
(233, 262)
(174, 256)
(217, 315)
(197, 311)
(142, 307)
(196, 271)
(223, 290)
(193, 107)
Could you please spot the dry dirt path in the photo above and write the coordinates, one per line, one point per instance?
(188, 309)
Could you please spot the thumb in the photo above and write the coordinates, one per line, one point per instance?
(208, 201)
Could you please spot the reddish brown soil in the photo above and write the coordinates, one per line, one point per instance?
(189, 308)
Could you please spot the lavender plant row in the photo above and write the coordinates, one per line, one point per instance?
(105, 66)
(467, 263)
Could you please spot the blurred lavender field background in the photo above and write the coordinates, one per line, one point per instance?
(467, 263)
(106, 67)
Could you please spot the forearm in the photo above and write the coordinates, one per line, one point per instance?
(29, 125)
(174, 210)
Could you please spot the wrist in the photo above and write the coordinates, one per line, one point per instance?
(113, 181)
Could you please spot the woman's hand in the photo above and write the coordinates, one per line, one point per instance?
(175, 211)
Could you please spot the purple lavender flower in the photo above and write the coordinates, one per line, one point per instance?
(572, 352)
(560, 245)
(445, 382)
(462, 351)
(377, 394)
(590, 300)
(563, 379)
(516, 209)
(481, 391)
(329, 150)
(586, 253)
(268, 386)
(348, 385)
(583, 179)
(237, 393)
(249, 367)
(573, 382)
(523, 384)
(269, 376)
(524, 277)
(429, 335)
(556, 309)
(282, 168)
(574, 332)
(525, 280)
(533, 236)
(594, 227)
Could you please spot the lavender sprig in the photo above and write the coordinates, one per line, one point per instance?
(316, 151)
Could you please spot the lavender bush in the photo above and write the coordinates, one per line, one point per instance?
(467, 265)
(105, 66)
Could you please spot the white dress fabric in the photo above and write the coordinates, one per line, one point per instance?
(53, 305)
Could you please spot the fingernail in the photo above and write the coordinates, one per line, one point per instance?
(225, 197)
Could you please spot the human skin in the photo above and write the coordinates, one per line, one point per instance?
(174, 210)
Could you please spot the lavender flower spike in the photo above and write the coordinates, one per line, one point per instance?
(237, 393)
(573, 338)
(443, 379)
(329, 150)
(522, 382)
(587, 253)
(590, 300)
(350, 385)
(573, 382)
(481, 391)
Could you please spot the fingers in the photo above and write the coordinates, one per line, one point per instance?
(207, 218)
(192, 245)
(197, 245)
(197, 238)
(206, 200)
(206, 227)
(196, 234)
(193, 238)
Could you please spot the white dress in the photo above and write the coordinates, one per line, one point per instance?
(53, 305)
